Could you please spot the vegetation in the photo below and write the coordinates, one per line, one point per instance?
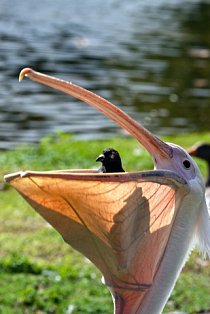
(39, 273)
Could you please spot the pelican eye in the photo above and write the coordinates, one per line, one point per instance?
(186, 164)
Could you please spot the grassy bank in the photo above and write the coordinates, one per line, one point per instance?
(39, 273)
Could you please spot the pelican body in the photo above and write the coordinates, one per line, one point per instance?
(138, 228)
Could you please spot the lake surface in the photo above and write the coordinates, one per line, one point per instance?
(152, 59)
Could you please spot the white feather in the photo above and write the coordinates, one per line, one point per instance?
(207, 193)
(203, 232)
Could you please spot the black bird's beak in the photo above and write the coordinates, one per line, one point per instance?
(100, 158)
(192, 151)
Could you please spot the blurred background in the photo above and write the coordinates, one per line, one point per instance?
(151, 58)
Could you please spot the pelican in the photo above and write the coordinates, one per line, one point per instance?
(202, 150)
(138, 228)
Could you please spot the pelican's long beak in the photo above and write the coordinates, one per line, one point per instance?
(156, 147)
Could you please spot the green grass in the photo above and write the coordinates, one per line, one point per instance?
(39, 273)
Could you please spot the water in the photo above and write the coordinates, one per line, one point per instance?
(150, 58)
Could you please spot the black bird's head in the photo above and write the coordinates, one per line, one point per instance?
(111, 161)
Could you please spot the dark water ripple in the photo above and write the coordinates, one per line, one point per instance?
(152, 59)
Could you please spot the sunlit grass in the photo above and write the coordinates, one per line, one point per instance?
(39, 273)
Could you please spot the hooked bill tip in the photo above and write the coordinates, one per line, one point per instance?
(24, 72)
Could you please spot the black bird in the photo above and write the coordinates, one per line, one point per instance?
(203, 151)
(111, 161)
